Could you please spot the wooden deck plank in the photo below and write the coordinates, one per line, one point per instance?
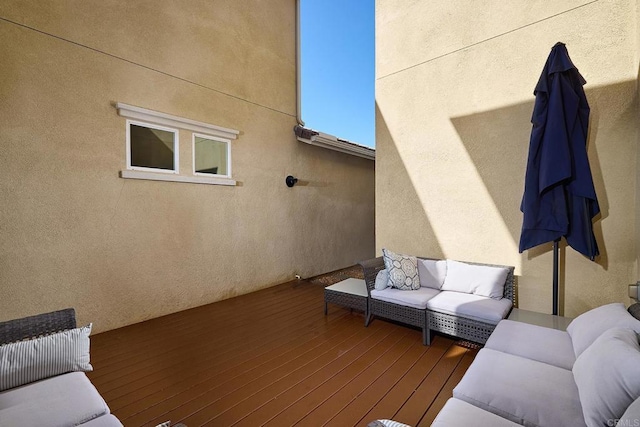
(313, 373)
(322, 404)
(447, 390)
(272, 357)
(421, 399)
(402, 390)
(216, 387)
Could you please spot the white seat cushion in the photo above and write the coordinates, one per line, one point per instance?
(415, 299)
(64, 400)
(522, 390)
(457, 413)
(533, 342)
(474, 307)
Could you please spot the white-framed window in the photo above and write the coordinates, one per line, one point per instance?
(152, 148)
(211, 156)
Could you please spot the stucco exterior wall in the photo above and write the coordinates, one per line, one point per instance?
(454, 94)
(75, 234)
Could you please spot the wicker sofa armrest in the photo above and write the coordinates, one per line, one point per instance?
(370, 268)
(40, 324)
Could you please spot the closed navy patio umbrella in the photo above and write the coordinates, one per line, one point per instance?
(559, 197)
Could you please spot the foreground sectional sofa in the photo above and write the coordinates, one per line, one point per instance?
(42, 381)
(530, 375)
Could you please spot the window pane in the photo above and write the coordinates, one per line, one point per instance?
(152, 148)
(210, 156)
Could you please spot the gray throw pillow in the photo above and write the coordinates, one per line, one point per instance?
(402, 269)
(608, 376)
(24, 362)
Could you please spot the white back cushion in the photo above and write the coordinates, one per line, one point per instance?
(608, 376)
(475, 279)
(432, 273)
(585, 328)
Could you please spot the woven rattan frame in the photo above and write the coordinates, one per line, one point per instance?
(34, 326)
(457, 326)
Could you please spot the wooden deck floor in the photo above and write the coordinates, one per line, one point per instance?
(273, 358)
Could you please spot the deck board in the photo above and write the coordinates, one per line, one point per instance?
(273, 358)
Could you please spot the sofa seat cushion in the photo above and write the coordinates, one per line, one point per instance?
(474, 307)
(64, 400)
(415, 299)
(534, 342)
(524, 391)
(460, 413)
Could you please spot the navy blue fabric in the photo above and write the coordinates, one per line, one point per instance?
(559, 196)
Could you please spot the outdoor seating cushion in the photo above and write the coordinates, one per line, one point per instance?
(587, 327)
(68, 399)
(432, 273)
(416, 299)
(474, 307)
(533, 342)
(631, 416)
(480, 280)
(457, 412)
(104, 421)
(524, 391)
(608, 376)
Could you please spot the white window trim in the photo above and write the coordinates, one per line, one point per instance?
(143, 114)
(193, 155)
(176, 148)
(152, 176)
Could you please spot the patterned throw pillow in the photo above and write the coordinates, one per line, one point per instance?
(24, 362)
(402, 269)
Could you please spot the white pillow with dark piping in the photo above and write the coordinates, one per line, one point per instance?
(27, 361)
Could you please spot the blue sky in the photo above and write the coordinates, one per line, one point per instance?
(338, 68)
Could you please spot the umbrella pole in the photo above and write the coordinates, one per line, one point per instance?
(555, 276)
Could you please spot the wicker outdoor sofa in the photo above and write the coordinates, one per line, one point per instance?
(427, 319)
(41, 378)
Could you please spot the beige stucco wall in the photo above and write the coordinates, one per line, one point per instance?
(454, 94)
(74, 234)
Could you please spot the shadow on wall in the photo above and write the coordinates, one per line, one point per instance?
(497, 141)
(412, 212)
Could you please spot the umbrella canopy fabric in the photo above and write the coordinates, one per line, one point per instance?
(559, 196)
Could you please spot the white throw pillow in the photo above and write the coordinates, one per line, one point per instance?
(608, 376)
(402, 269)
(382, 280)
(27, 361)
(585, 328)
(432, 273)
(480, 280)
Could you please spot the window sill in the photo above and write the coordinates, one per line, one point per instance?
(152, 176)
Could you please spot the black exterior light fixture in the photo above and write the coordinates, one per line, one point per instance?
(290, 181)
